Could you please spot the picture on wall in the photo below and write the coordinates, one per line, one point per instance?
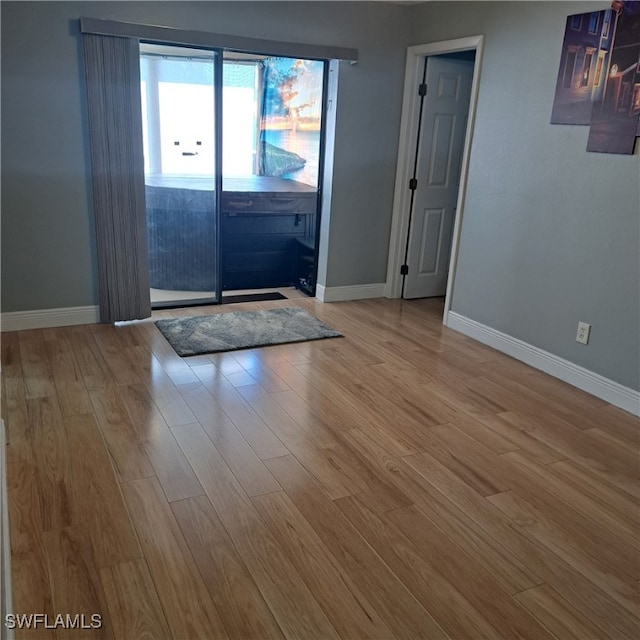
(586, 51)
(598, 82)
(615, 118)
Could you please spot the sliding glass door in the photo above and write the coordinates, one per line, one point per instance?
(178, 98)
(232, 156)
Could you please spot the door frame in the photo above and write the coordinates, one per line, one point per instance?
(406, 156)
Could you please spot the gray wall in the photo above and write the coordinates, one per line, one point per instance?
(48, 251)
(550, 233)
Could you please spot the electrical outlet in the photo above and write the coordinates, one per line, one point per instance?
(584, 330)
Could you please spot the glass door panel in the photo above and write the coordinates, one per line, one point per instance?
(179, 139)
(271, 140)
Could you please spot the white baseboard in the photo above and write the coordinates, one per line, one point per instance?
(593, 383)
(45, 318)
(350, 292)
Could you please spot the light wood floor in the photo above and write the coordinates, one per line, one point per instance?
(400, 482)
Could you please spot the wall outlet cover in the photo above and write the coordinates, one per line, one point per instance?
(584, 330)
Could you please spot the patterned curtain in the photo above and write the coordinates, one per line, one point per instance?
(291, 97)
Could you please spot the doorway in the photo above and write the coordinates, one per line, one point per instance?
(441, 86)
(233, 149)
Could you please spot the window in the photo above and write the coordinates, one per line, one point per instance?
(177, 96)
(598, 77)
(586, 69)
(635, 105)
(241, 108)
(570, 63)
(625, 96)
(271, 109)
(576, 22)
(606, 23)
(594, 21)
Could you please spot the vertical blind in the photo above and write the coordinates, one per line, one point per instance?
(112, 72)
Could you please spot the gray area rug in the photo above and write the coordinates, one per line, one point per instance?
(242, 330)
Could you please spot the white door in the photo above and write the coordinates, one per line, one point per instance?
(438, 162)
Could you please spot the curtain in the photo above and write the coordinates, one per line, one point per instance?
(112, 72)
(291, 100)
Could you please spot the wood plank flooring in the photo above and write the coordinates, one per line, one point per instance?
(400, 482)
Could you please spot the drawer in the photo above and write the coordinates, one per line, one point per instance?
(255, 279)
(243, 203)
(291, 225)
(248, 244)
(276, 261)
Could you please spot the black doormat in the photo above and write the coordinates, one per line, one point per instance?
(253, 297)
(242, 330)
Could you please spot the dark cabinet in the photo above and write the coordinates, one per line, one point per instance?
(260, 236)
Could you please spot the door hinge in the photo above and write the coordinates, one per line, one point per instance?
(413, 184)
(404, 270)
(422, 90)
